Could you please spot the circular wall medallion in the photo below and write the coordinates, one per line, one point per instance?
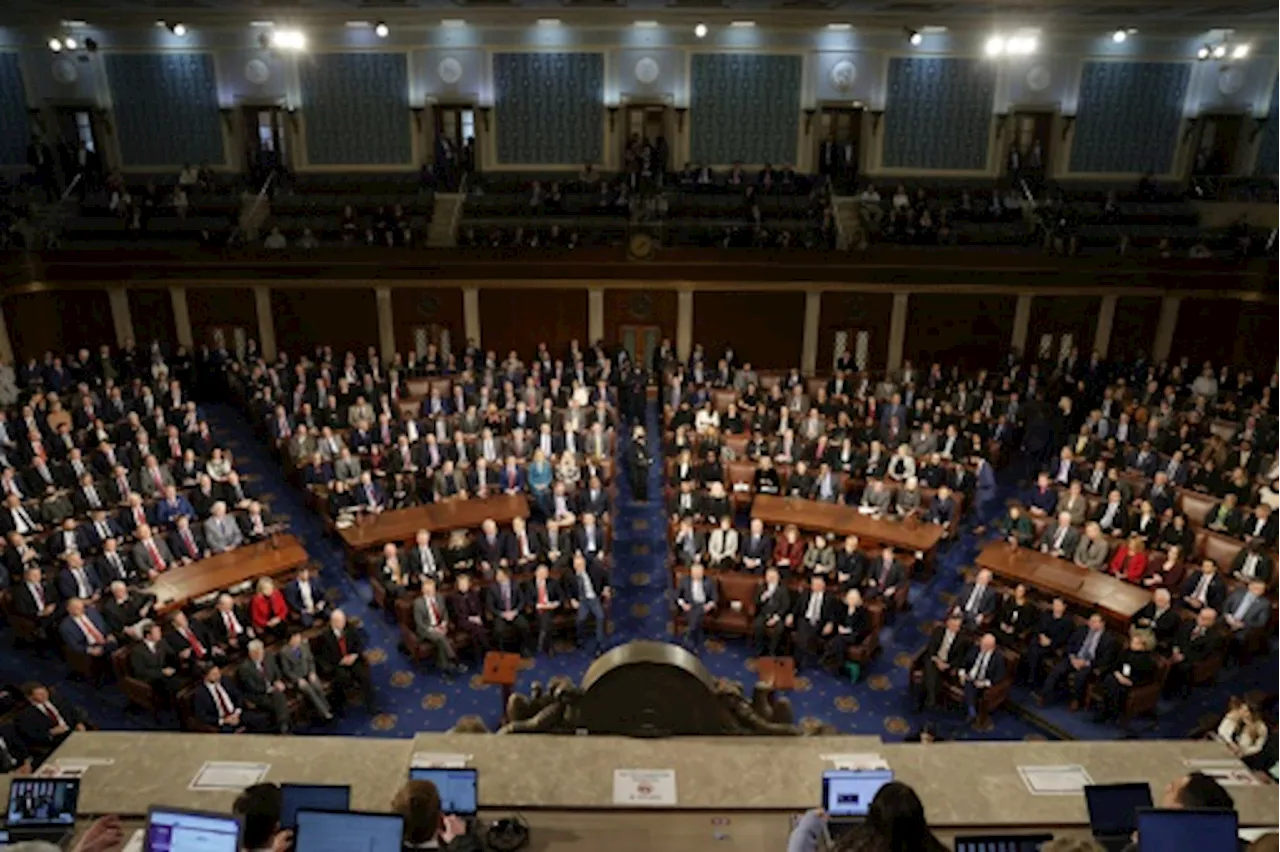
(257, 72)
(64, 70)
(843, 73)
(1230, 80)
(647, 70)
(1038, 78)
(450, 70)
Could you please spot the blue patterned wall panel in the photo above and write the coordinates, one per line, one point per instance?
(744, 107)
(1269, 148)
(356, 109)
(1128, 116)
(549, 107)
(14, 127)
(166, 108)
(937, 113)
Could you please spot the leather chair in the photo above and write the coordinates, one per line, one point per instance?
(866, 650)
(953, 692)
(139, 693)
(739, 474)
(1141, 700)
(1196, 506)
(725, 619)
(187, 718)
(1221, 549)
(25, 629)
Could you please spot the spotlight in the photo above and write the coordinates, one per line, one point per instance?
(1022, 45)
(70, 43)
(700, 31)
(179, 30)
(291, 40)
(1219, 51)
(914, 38)
(1119, 36)
(55, 45)
(1203, 52)
(381, 30)
(995, 46)
(1240, 51)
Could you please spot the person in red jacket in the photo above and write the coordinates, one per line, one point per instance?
(788, 553)
(1130, 561)
(267, 610)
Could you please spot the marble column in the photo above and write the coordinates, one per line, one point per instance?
(1021, 323)
(809, 345)
(897, 331)
(6, 345)
(1164, 330)
(684, 324)
(181, 317)
(595, 315)
(1106, 319)
(120, 316)
(470, 319)
(266, 323)
(386, 324)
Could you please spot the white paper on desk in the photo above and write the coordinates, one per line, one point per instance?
(1228, 773)
(651, 788)
(228, 775)
(1065, 780)
(867, 760)
(71, 767)
(439, 760)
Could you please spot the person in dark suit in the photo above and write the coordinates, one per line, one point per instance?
(218, 704)
(424, 559)
(1134, 667)
(186, 542)
(126, 612)
(587, 589)
(1050, 635)
(78, 580)
(983, 666)
(1204, 588)
(756, 548)
(545, 596)
(1251, 563)
(191, 642)
(977, 601)
(852, 625)
(154, 663)
(812, 620)
(505, 603)
(1016, 618)
(491, 549)
(305, 596)
(638, 464)
(1196, 641)
(468, 613)
(884, 577)
(695, 597)
(773, 605)
(340, 658)
(1159, 617)
(1090, 650)
(45, 723)
(262, 686)
(14, 757)
(1247, 609)
(944, 654)
(84, 631)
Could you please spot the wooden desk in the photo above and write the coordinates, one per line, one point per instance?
(777, 672)
(1081, 587)
(179, 586)
(501, 670)
(371, 532)
(843, 520)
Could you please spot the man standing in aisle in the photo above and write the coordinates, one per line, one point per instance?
(638, 463)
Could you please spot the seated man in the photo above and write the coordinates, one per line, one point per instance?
(812, 620)
(431, 625)
(1196, 641)
(1050, 634)
(884, 577)
(1260, 526)
(1073, 504)
(254, 524)
(686, 503)
(218, 704)
(690, 545)
(262, 686)
(230, 625)
(944, 654)
(77, 580)
(1159, 617)
(876, 498)
(977, 601)
(340, 657)
(505, 602)
(1205, 588)
(588, 587)
(588, 539)
(1247, 608)
(151, 555)
(173, 506)
(126, 612)
(84, 631)
(305, 596)
(1091, 551)
(983, 666)
(191, 642)
(695, 597)
(1044, 499)
(942, 509)
(757, 548)
(773, 605)
(154, 663)
(468, 613)
(45, 723)
(1251, 563)
(1090, 649)
(186, 542)
(1060, 539)
(1113, 517)
(221, 532)
(546, 597)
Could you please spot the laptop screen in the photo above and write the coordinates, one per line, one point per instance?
(848, 792)
(328, 831)
(457, 788)
(312, 797)
(1003, 843)
(1161, 830)
(35, 802)
(1113, 808)
(171, 830)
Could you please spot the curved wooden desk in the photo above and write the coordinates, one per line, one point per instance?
(843, 520)
(275, 557)
(371, 532)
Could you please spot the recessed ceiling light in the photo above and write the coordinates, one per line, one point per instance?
(916, 39)
(742, 24)
(288, 40)
(71, 43)
(1240, 51)
(646, 25)
(839, 27)
(1203, 52)
(453, 22)
(1119, 36)
(995, 46)
(548, 22)
(180, 30)
(700, 30)
(55, 45)
(381, 30)
(1219, 51)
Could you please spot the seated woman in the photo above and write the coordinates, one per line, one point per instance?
(1130, 561)
(1167, 574)
(1016, 527)
(219, 466)
(1017, 615)
(788, 553)
(567, 470)
(1135, 667)
(819, 559)
(852, 626)
(268, 610)
(1176, 533)
(1243, 730)
(539, 473)
(458, 552)
(895, 823)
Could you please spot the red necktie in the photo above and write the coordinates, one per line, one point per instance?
(224, 701)
(435, 614)
(186, 539)
(38, 594)
(342, 645)
(542, 593)
(95, 635)
(196, 647)
(155, 555)
(54, 716)
(233, 627)
(139, 516)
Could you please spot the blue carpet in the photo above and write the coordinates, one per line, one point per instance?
(418, 700)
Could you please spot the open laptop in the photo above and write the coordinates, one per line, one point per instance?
(457, 788)
(1113, 812)
(847, 795)
(1207, 830)
(311, 797)
(42, 808)
(179, 830)
(344, 831)
(1002, 842)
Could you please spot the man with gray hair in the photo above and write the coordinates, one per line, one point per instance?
(262, 685)
(222, 533)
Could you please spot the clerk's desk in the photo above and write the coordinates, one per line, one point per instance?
(742, 788)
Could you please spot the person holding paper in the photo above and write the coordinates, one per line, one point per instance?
(1134, 667)
(983, 666)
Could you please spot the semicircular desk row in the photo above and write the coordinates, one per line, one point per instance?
(744, 790)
